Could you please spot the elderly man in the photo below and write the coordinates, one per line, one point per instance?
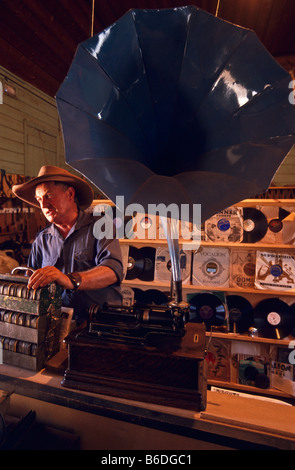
(66, 252)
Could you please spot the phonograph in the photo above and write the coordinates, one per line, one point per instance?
(168, 106)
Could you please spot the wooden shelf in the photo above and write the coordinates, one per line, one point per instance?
(265, 202)
(252, 246)
(163, 242)
(193, 288)
(249, 339)
(250, 389)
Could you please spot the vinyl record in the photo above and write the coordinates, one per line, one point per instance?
(255, 225)
(148, 254)
(135, 263)
(150, 296)
(155, 296)
(207, 308)
(253, 373)
(292, 308)
(276, 225)
(240, 313)
(145, 226)
(146, 222)
(273, 318)
(139, 295)
(283, 213)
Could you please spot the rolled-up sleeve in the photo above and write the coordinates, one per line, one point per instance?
(109, 254)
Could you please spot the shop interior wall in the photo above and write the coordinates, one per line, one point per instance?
(30, 136)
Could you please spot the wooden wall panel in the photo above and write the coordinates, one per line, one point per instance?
(40, 148)
(30, 133)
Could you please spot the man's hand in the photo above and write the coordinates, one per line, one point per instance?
(44, 276)
(95, 278)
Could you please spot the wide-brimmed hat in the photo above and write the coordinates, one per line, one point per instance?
(26, 191)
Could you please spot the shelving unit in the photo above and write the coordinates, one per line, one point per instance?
(253, 295)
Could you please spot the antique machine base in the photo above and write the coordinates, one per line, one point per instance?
(170, 373)
(29, 322)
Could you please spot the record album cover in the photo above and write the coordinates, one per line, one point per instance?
(163, 265)
(282, 377)
(225, 226)
(242, 273)
(218, 360)
(254, 371)
(275, 271)
(211, 267)
(127, 296)
(125, 255)
(280, 224)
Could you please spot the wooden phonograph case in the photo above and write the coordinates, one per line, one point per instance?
(143, 353)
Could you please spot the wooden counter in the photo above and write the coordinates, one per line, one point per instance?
(103, 422)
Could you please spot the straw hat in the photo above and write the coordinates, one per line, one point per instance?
(26, 191)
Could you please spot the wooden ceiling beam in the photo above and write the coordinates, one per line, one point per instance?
(79, 17)
(39, 37)
(26, 69)
(51, 20)
(37, 53)
(39, 31)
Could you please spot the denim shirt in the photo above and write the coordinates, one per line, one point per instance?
(79, 251)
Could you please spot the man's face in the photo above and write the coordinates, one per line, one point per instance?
(56, 202)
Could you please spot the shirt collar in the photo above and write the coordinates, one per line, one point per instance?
(84, 218)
